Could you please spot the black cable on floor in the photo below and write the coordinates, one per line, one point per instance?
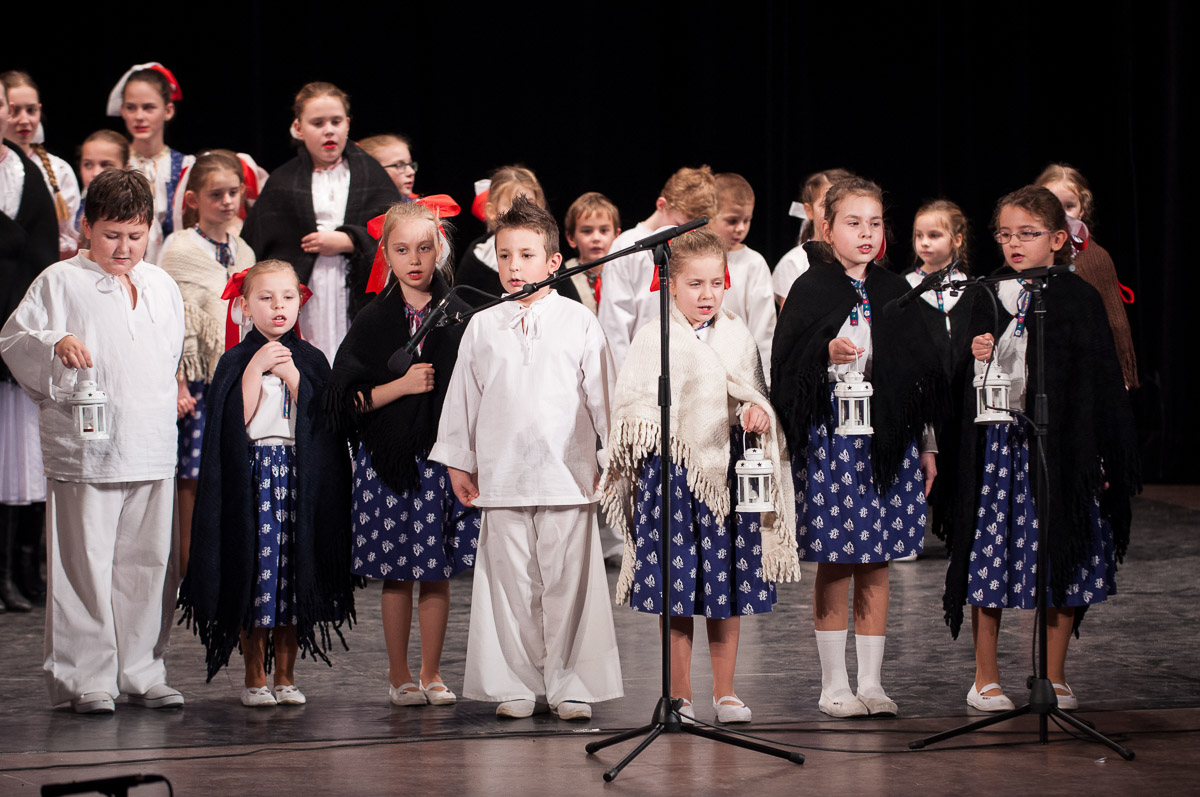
(357, 743)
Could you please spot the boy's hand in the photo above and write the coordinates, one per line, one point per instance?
(981, 347)
(463, 483)
(327, 242)
(929, 468)
(270, 355)
(842, 351)
(756, 420)
(73, 353)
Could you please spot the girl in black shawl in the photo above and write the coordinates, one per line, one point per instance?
(270, 551)
(860, 500)
(314, 210)
(408, 526)
(992, 524)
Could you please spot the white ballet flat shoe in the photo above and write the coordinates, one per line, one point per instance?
(879, 705)
(731, 713)
(289, 695)
(687, 714)
(257, 697)
(407, 694)
(843, 704)
(438, 697)
(1067, 702)
(976, 699)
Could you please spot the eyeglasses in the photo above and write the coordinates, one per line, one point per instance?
(1025, 236)
(402, 166)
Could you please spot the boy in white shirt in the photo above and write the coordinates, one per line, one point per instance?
(110, 502)
(626, 302)
(749, 296)
(529, 396)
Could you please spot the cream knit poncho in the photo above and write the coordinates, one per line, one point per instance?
(201, 281)
(703, 407)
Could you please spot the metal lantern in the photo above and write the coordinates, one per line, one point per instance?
(853, 394)
(754, 474)
(89, 410)
(991, 398)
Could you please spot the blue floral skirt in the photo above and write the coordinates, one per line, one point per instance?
(840, 517)
(418, 535)
(191, 434)
(275, 590)
(1003, 570)
(716, 568)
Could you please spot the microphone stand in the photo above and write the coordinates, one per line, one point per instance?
(402, 359)
(1043, 701)
(666, 717)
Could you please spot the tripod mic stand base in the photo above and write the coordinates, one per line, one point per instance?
(1043, 703)
(667, 719)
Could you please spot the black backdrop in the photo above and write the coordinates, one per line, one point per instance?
(964, 101)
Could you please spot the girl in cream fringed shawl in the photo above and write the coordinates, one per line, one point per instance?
(723, 565)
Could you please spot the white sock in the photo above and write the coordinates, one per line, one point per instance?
(831, 647)
(870, 661)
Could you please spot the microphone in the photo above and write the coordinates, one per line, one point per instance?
(929, 282)
(402, 359)
(651, 241)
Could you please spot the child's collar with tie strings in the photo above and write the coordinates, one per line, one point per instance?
(443, 207)
(233, 315)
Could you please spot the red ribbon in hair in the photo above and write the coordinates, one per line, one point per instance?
(176, 92)
(233, 289)
(251, 179)
(443, 207)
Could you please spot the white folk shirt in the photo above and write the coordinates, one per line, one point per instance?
(273, 422)
(1010, 349)
(530, 393)
(12, 181)
(626, 301)
(860, 335)
(158, 171)
(788, 270)
(325, 314)
(751, 298)
(135, 352)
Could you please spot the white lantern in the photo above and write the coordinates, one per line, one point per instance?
(754, 473)
(853, 395)
(89, 409)
(991, 398)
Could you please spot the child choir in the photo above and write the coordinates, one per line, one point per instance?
(248, 390)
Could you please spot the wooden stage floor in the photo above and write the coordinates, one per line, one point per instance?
(1134, 669)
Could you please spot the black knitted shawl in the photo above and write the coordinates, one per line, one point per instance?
(1091, 439)
(216, 595)
(398, 433)
(910, 387)
(283, 214)
(28, 242)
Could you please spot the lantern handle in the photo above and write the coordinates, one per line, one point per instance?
(856, 359)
